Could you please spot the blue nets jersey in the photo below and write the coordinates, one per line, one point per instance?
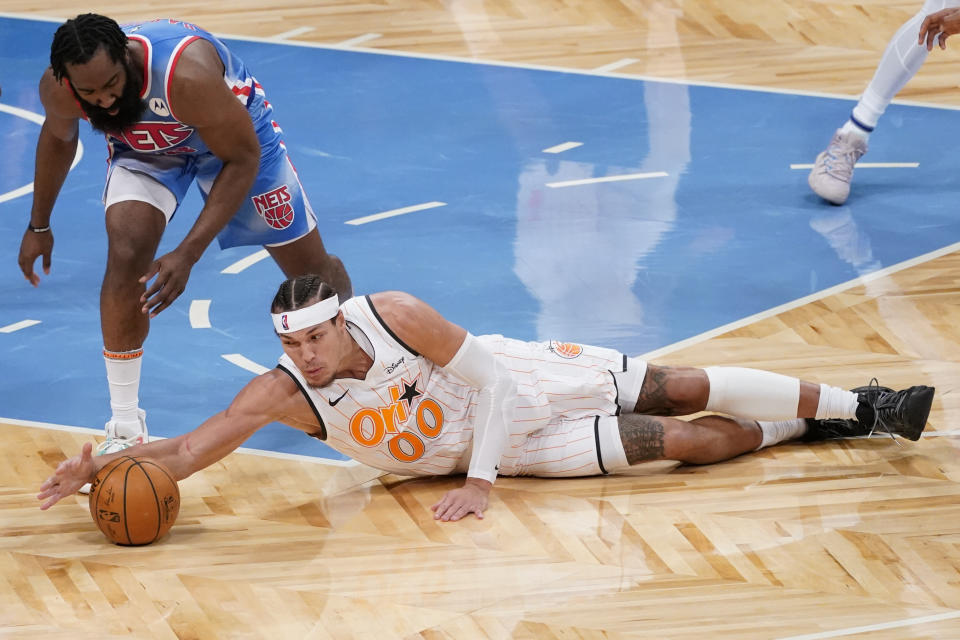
(159, 131)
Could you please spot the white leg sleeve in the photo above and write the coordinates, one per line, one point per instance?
(752, 393)
(901, 60)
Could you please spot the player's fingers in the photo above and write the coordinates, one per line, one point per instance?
(441, 509)
(152, 271)
(943, 40)
(459, 513)
(161, 302)
(922, 34)
(159, 282)
(26, 266)
(47, 261)
(49, 503)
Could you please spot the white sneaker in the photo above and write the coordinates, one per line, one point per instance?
(114, 442)
(833, 170)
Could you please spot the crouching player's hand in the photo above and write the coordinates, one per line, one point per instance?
(472, 497)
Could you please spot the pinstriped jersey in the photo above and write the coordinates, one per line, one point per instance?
(159, 132)
(412, 417)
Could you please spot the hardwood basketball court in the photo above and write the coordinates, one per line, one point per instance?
(857, 538)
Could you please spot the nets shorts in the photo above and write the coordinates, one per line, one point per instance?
(275, 212)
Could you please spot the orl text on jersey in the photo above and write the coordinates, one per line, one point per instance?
(369, 426)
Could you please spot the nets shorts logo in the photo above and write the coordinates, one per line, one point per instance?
(566, 349)
(274, 207)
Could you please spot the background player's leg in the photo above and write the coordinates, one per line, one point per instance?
(902, 59)
(308, 255)
(134, 230)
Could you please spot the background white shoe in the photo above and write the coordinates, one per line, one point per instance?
(120, 436)
(833, 170)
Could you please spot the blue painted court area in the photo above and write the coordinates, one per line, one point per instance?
(729, 231)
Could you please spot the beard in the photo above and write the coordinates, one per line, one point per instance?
(129, 106)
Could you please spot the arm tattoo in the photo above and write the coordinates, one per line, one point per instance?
(642, 438)
(653, 398)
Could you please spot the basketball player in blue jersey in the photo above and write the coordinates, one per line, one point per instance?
(386, 380)
(176, 107)
(833, 170)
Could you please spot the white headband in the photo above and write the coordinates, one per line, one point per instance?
(290, 321)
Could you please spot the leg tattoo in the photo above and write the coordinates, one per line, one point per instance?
(642, 438)
(653, 398)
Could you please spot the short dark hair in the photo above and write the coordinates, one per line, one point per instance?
(301, 291)
(78, 40)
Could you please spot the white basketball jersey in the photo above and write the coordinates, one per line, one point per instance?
(412, 417)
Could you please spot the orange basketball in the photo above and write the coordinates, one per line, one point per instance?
(134, 501)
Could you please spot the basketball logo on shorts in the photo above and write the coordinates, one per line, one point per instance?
(274, 207)
(566, 349)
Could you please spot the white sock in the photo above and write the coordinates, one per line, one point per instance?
(901, 60)
(123, 378)
(836, 403)
(776, 432)
(851, 128)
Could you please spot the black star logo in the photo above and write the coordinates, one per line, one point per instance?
(410, 392)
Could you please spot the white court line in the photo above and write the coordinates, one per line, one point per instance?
(293, 33)
(242, 264)
(799, 302)
(941, 434)
(16, 326)
(876, 627)
(200, 314)
(395, 212)
(352, 42)
(560, 148)
(256, 452)
(244, 362)
(38, 119)
(534, 67)
(627, 176)
(613, 66)
(869, 165)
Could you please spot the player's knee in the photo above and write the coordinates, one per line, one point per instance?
(673, 391)
(126, 255)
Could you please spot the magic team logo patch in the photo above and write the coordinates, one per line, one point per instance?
(274, 207)
(566, 349)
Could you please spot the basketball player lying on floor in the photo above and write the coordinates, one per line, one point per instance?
(386, 380)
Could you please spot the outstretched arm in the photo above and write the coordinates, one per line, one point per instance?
(267, 398)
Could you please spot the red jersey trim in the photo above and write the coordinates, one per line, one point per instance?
(147, 55)
(177, 52)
